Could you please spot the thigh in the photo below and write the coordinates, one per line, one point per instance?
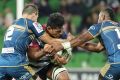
(2, 77)
(43, 72)
(63, 75)
(8, 77)
(111, 72)
(2, 73)
(22, 72)
(59, 73)
(5, 77)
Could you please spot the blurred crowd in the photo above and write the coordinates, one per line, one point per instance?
(79, 14)
(6, 18)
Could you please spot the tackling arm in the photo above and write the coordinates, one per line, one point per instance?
(77, 41)
(95, 47)
(35, 52)
(52, 41)
(81, 39)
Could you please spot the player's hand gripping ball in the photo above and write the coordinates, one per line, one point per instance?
(62, 57)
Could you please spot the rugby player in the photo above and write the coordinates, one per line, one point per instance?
(13, 58)
(108, 32)
(109, 35)
(51, 66)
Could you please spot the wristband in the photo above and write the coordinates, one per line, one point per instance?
(66, 45)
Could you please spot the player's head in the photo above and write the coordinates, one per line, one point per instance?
(55, 25)
(30, 11)
(106, 14)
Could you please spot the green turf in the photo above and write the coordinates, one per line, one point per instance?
(2, 32)
(87, 59)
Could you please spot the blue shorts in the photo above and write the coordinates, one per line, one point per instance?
(110, 72)
(19, 73)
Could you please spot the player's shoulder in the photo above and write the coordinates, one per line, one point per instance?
(23, 21)
(109, 23)
(94, 26)
(19, 22)
(29, 21)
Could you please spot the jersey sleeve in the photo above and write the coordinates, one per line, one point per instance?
(36, 28)
(94, 30)
(64, 35)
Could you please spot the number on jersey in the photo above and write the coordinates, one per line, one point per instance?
(118, 33)
(8, 35)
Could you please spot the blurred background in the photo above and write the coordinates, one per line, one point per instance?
(79, 15)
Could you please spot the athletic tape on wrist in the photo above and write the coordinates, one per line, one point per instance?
(66, 45)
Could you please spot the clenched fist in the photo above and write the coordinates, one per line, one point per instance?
(49, 49)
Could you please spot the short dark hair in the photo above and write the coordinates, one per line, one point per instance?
(30, 8)
(55, 20)
(110, 12)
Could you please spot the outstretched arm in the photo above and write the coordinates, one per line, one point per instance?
(81, 39)
(95, 47)
(77, 41)
(46, 38)
(92, 32)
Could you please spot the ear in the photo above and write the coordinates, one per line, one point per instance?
(104, 17)
(48, 27)
(33, 14)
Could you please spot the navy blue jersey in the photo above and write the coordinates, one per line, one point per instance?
(109, 32)
(16, 41)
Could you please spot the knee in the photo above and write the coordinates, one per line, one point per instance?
(63, 76)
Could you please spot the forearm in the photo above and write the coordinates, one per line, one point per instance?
(35, 54)
(81, 39)
(52, 41)
(39, 54)
(91, 47)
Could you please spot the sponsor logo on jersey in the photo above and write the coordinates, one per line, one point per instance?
(38, 27)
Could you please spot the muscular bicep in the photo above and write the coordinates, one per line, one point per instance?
(46, 38)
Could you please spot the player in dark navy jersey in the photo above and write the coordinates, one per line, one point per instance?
(108, 32)
(47, 68)
(13, 58)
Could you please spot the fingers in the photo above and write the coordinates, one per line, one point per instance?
(57, 45)
(59, 59)
(48, 48)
